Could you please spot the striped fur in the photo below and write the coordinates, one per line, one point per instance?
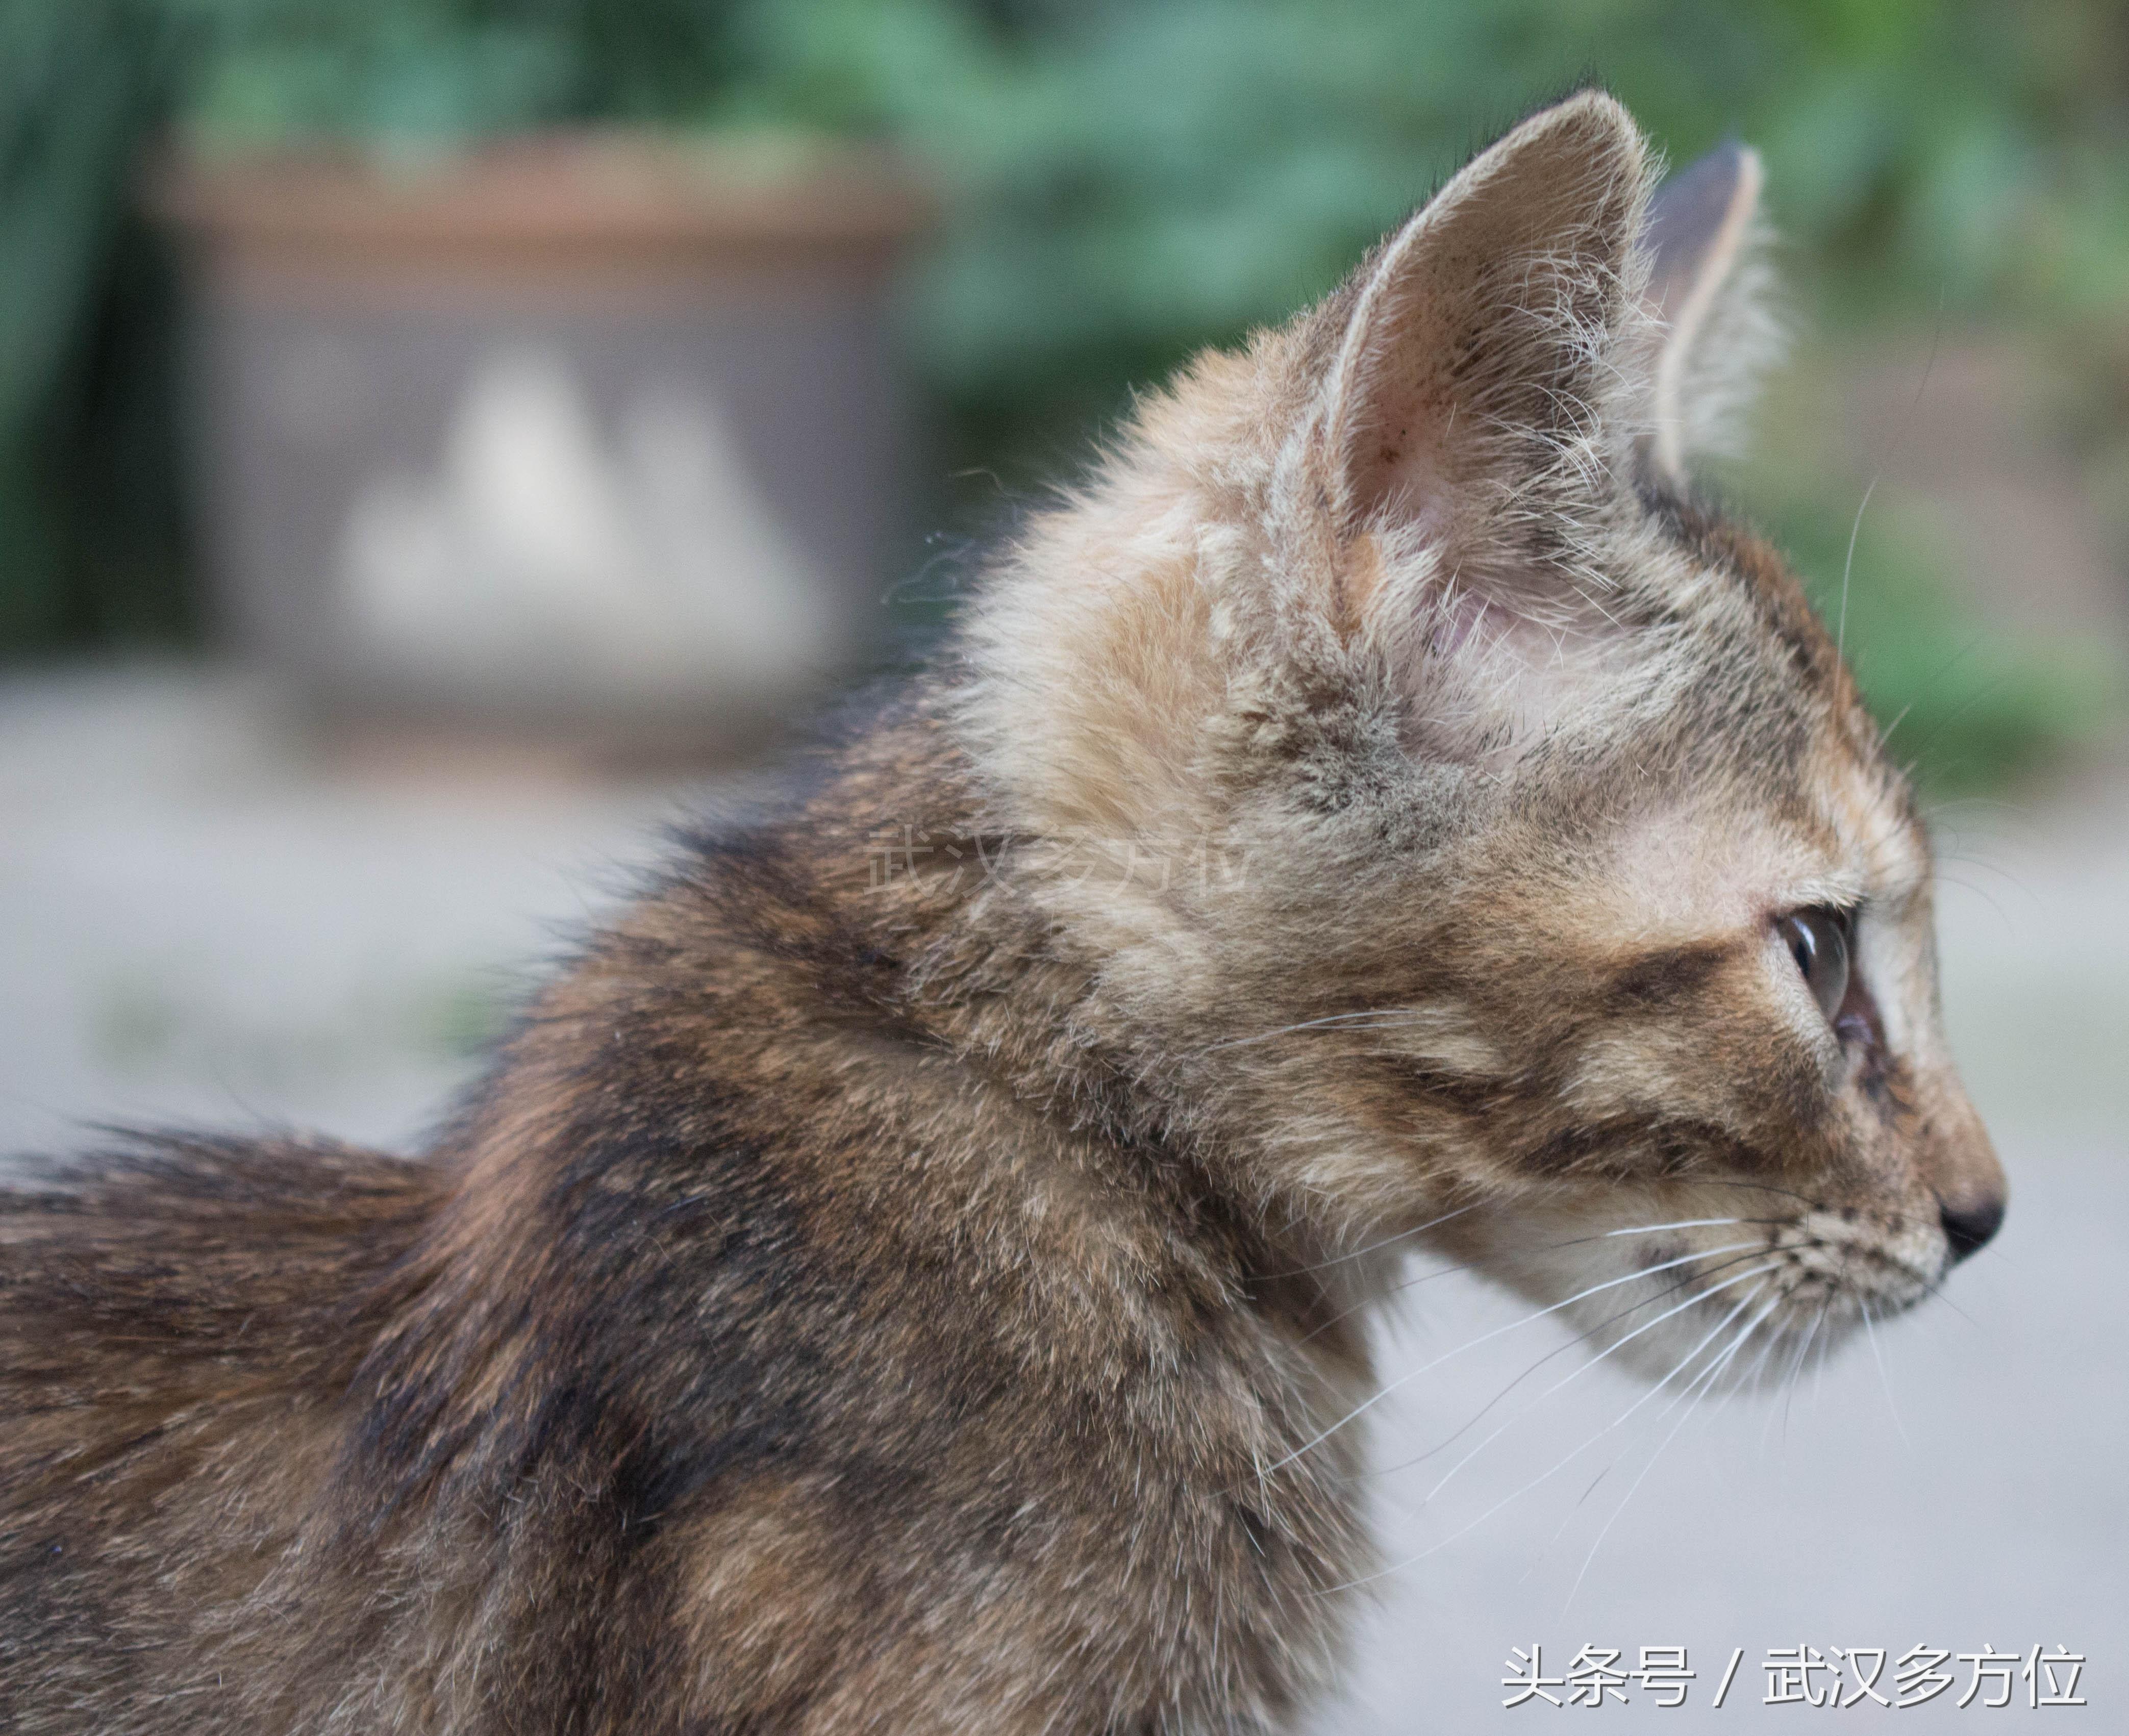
(901, 1276)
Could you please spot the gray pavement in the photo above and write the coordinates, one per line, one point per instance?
(199, 923)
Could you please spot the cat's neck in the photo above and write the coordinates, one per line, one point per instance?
(885, 921)
(942, 884)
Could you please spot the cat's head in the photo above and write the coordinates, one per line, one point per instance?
(1464, 817)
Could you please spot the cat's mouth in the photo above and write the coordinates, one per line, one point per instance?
(1841, 1254)
(1726, 1301)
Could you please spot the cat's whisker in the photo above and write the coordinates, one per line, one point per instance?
(1561, 1530)
(1585, 1337)
(1427, 1278)
(1968, 858)
(1758, 1365)
(1818, 1374)
(1385, 1391)
(1580, 1338)
(1701, 1385)
(1991, 822)
(1365, 1303)
(1848, 566)
(1981, 892)
(1795, 1364)
(1899, 717)
(1884, 1380)
(1683, 1363)
(1935, 1291)
(1734, 1384)
(1718, 1369)
(1544, 1247)
(1788, 1193)
(1989, 690)
(1389, 1241)
(1693, 1300)
(1681, 1223)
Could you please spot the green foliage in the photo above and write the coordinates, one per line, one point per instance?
(416, 74)
(1126, 179)
(1134, 180)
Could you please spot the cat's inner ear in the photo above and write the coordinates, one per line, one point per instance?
(1709, 289)
(1475, 387)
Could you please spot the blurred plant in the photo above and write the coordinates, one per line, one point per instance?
(1963, 705)
(90, 520)
(1128, 179)
(419, 73)
(1135, 180)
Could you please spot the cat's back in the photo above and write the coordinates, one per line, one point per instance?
(743, 1346)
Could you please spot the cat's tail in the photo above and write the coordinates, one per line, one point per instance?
(172, 1277)
(180, 1319)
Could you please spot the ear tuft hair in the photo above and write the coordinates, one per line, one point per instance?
(1476, 397)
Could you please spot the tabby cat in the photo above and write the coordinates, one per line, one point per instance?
(903, 1276)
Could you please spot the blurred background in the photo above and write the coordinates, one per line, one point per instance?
(441, 437)
(419, 349)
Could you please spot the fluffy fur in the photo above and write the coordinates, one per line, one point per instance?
(902, 1276)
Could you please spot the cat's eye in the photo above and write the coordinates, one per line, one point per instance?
(1817, 940)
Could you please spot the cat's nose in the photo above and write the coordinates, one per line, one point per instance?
(1970, 1224)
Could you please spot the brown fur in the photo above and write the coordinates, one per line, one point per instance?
(902, 1276)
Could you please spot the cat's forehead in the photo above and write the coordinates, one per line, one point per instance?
(1782, 790)
(1756, 588)
(1720, 857)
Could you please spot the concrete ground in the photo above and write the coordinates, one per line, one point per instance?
(199, 923)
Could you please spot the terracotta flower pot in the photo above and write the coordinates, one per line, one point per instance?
(582, 430)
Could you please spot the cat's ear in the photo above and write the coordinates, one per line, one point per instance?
(1477, 385)
(1710, 290)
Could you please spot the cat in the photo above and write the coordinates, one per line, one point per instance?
(910, 1272)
